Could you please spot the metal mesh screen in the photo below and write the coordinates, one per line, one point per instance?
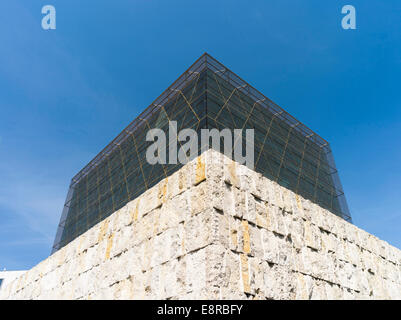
(207, 95)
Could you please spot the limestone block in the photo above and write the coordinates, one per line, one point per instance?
(279, 283)
(316, 216)
(353, 253)
(215, 264)
(328, 242)
(106, 293)
(162, 192)
(397, 256)
(326, 221)
(393, 289)
(245, 238)
(168, 245)
(122, 241)
(295, 229)
(119, 268)
(256, 246)
(156, 283)
(362, 238)
(392, 272)
(199, 200)
(333, 291)
(58, 257)
(198, 169)
(381, 267)
(308, 261)
(306, 206)
(312, 236)
(19, 284)
(150, 200)
(138, 285)
(246, 177)
(216, 194)
(351, 232)
(174, 212)
(277, 197)
(104, 232)
(277, 220)
(297, 207)
(373, 245)
(229, 199)
(347, 275)
(276, 248)
(318, 290)
(392, 254)
(377, 289)
(325, 267)
(232, 285)
(266, 187)
(122, 290)
(245, 274)
(235, 236)
(184, 178)
(270, 246)
(303, 286)
(250, 207)
(145, 251)
(262, 219)
(146, 228)
(214, 166)
(369, 261)
(285, 253)
(235, 201)
(174, 278)
(134, 211)
(348, 294)
(125, 218)
(222, 231)
(230, 173)
(260, 188)
(95, 280)
(26, 279)
(195, 275)
(88, 259)
(383, 249)
(341, 252)
(288, 200)
(362, 281)
(115, 221)
(256, 279)
(46, 267)
(198, 231)
(78, 286)
(26, 293)
(174, 188)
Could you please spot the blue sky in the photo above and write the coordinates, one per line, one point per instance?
(66, 93)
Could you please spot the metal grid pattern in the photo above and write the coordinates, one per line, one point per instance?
(207, 95)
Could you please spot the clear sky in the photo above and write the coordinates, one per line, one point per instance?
(66, 93)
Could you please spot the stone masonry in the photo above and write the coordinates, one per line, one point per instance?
(217, 230)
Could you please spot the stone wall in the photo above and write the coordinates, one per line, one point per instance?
(217, 230)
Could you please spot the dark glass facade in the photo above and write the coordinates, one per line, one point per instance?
(207, 95)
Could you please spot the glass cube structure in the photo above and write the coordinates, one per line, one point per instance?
(208, 95)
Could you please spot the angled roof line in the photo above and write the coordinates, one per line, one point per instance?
(203, 62)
